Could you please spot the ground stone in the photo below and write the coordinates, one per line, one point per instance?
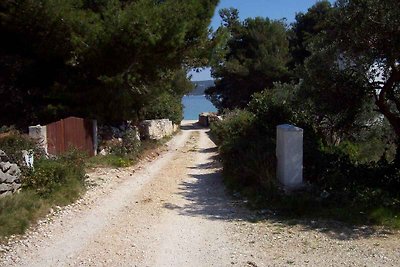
(5, 166)
(5, 187)
(14, 170)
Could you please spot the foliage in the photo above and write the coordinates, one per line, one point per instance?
(58, 56)
(50, 175)
(130, 144)
(305, 29)
(234, 124)
(52, 183)
(13, 142)
(354, 68)
(248, 159)
(345, 59)
(337, 177)
(110, 160)
(255, 57)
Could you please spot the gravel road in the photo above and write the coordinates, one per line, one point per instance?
(172, 210)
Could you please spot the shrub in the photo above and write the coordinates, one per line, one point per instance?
(13, 142)
(248, 158)
(49, 175)
(130, 144)
(347, 182)
(234, 125)
(52, 182)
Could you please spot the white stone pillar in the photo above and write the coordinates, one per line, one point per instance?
(95, 137)
(39, 133)
(289, 153)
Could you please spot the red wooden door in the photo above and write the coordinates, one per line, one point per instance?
(70, 133)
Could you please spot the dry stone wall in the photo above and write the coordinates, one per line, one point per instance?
(10, 175)
(156, 129)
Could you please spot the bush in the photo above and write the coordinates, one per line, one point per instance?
(347, 182)
(234, 125)
(49, 175)
(130, 144)
(248, 158)
(13, 142)
(52, 182)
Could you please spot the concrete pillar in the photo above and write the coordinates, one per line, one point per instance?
(289, 153)
(95, 137)
(39, 133)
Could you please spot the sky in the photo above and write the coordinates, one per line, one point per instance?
(273, 9)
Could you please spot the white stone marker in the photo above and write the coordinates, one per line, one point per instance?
(39, 133)
(289, 153)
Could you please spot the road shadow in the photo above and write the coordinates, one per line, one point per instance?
(191, 126)
(207, 197)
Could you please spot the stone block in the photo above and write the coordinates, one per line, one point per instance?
(14, 170)
(39, 134)
(6, 178)
(3, 156)
(5, 166)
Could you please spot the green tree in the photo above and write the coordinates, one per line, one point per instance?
(255, 56)
(305, 28)
(354, 65)
(105, 59)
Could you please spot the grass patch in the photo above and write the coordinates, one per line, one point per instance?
(19, 211)
(52, 183)
(110, 160)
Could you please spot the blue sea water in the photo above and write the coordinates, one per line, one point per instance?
(193, 105)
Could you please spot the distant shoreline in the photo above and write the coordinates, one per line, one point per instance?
(201, 86)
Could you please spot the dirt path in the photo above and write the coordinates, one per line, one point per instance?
(173, 211)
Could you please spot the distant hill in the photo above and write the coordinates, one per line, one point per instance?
(201, 86)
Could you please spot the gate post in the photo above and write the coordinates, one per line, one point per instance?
(289, 153)
(95, 137)
(39, 133)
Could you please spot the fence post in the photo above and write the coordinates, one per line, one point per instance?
(95, 137)
(39, 133)
(289, 153)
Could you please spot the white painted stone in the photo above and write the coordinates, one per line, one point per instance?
(95, 137)
(289, 153)
(39, 133)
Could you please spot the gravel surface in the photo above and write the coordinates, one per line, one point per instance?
(172, 210)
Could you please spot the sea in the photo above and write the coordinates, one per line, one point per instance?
(193, 105)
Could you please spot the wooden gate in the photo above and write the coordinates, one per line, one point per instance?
(70, 133)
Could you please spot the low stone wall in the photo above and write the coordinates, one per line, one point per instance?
(206, 118)
(156, 129)
(9, 176)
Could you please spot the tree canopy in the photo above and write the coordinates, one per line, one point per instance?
(255, 56)
(354, 63)
(304, 30)
(105, 59)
